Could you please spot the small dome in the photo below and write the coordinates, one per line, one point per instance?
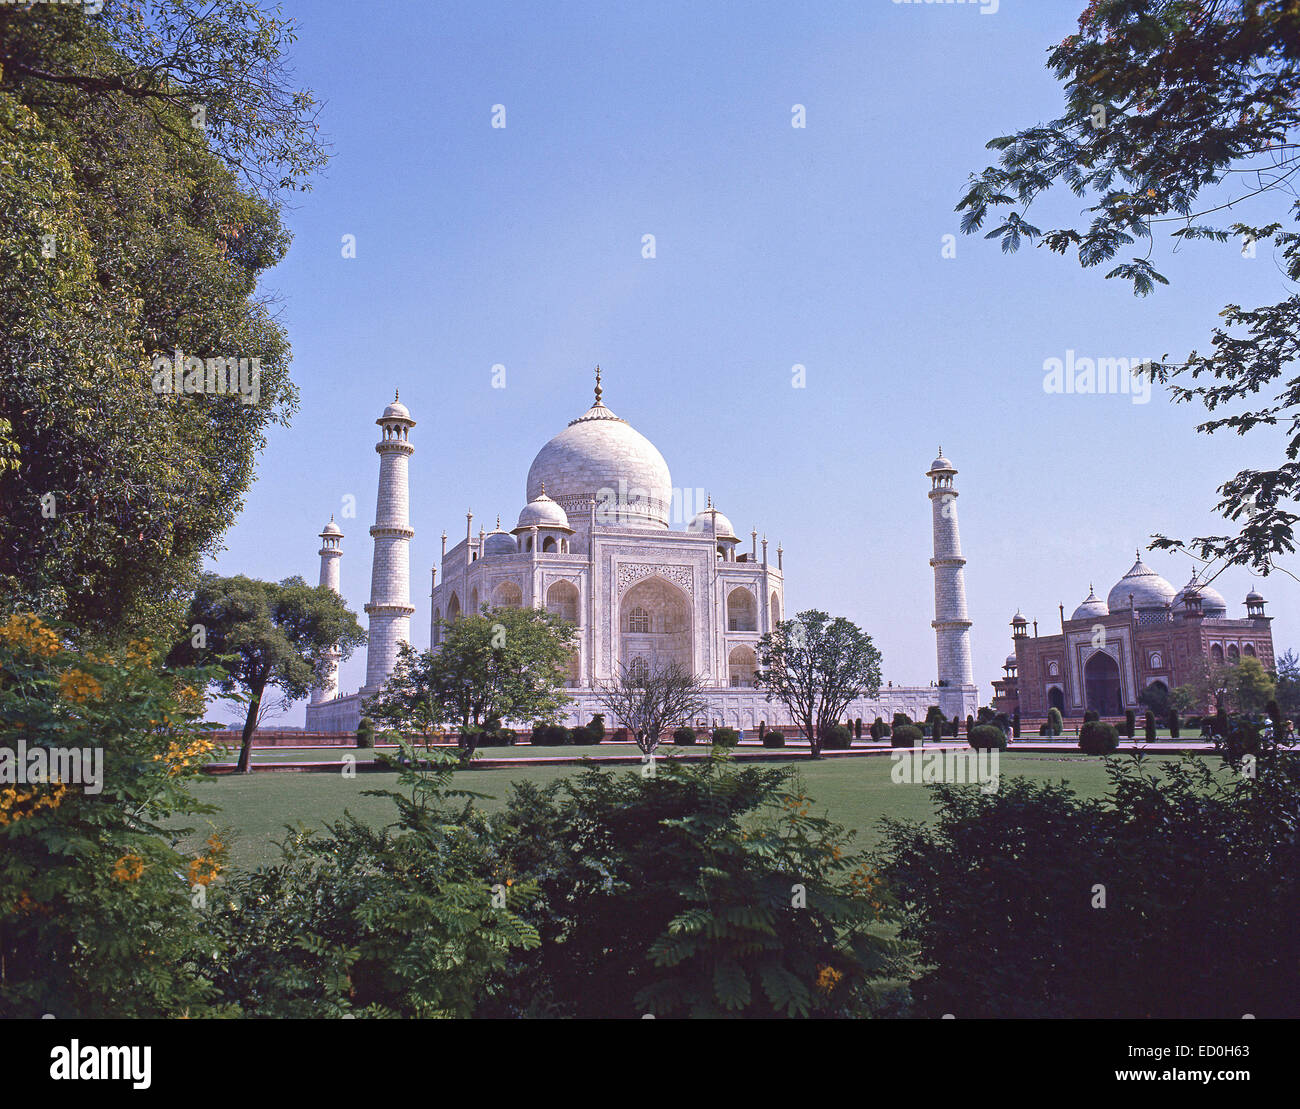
(1254, 598)
(1147, 589)
(710, 521)
(1092, 606)
(331, 528)
(542, 512)
(1018, 618)
(941, 463)
(498, 542)
(1011, 660)
(396, 410)
(1212, 602)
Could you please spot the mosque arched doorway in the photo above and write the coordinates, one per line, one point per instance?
(508, 595)
(741, 664)
(1102, 686)
(742, 612)
(562, 600)
(453, 608)
(655, 625)
(1056, 699)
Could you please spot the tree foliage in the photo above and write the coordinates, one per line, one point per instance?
(815, 666)
(125, 236)
(1176, 111)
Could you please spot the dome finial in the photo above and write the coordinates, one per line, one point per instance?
(598, 388)
(543, 489)
(498, 521)
(397, 395)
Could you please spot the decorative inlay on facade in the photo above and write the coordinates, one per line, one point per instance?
(629, 573)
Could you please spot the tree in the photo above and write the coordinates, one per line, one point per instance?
(1250, 687)
(1174, 112)
(1288, 685)
(815, 666)
(128, 237)
(261, 633)
(1156, 698)
(501, 664)
(650, 701)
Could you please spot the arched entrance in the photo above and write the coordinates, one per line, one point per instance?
(1056, 699)
(1101, 685)
(655, 625)
(741, 664)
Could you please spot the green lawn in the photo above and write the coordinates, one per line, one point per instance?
(857, 792)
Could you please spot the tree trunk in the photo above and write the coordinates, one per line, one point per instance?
(244, 766)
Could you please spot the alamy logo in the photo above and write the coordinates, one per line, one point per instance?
(215, 376)
(23, 765)
(1089, 376)
(949, 765)
(92, 1063)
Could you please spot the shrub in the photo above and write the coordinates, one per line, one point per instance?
(1015, 724)
(857, 728)
(1096, 738)
(684, 737)
(773, 739)
(901, 719)
(906, 735)
(366, 732)
(1130, 723)
(593, 730)
(1044, 729)
(1091, 714)
(762, 728)
(1054, 721)
(550, 735)
(970, 723)
(1193, 721)
(837, 738)
(499, 737)
(988, 736)
(1220, 725)
(1173, 724)
(725, 737)
(1149, 726)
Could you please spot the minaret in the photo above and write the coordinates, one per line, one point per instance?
(390, 605)
(951, 626)
(331, 554)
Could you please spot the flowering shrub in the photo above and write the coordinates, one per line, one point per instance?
(99, 914)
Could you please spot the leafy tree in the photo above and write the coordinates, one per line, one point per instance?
(1250, 687)
(501, 664)
(648, 702)
(1175, 111)
(1156, 698)
(260, 633)
(1288, 684)
(126, 236)
(815, 666)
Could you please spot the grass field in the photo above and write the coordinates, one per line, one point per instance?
(856, 792)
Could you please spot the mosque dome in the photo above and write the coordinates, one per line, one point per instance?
(1251, 597)
(1212, 602)
(603, 458)
(331, 528)
(542, 512)
(498, 542)
(1148, 589)
(710, 521)
(941, 463)
(1092, 606)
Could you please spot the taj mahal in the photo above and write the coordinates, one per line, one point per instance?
(595, 543)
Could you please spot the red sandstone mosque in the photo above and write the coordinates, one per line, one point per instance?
(1109, 652)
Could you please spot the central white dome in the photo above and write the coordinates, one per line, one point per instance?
(602, 458)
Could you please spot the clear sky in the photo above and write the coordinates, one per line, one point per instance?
(821, 246)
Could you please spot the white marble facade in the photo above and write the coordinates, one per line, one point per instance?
(607, 542)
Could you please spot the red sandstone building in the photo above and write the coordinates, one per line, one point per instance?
(1109, 652)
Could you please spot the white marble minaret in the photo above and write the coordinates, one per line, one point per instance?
(331, 554)
(390, 605)
(951, 624)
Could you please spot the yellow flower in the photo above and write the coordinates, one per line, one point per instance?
(128, 868)
(828, 978)
(79, 687)
(25, 630)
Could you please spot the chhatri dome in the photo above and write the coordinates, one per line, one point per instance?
(1212, 601)
(601, 457)
(710, 521)
(498, 542)
(1092, 606)
(542, 512)
(1147, 588)
(397, 409)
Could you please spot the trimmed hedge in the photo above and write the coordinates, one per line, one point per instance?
(988, 736)
(774, 739)
(684, 737)
(1054, 721)
(1096, 738)
(725, 737)
(837, 738)
(906, 735)
(551, 735)
(366, 732)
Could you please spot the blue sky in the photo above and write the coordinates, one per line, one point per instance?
(775, 246)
